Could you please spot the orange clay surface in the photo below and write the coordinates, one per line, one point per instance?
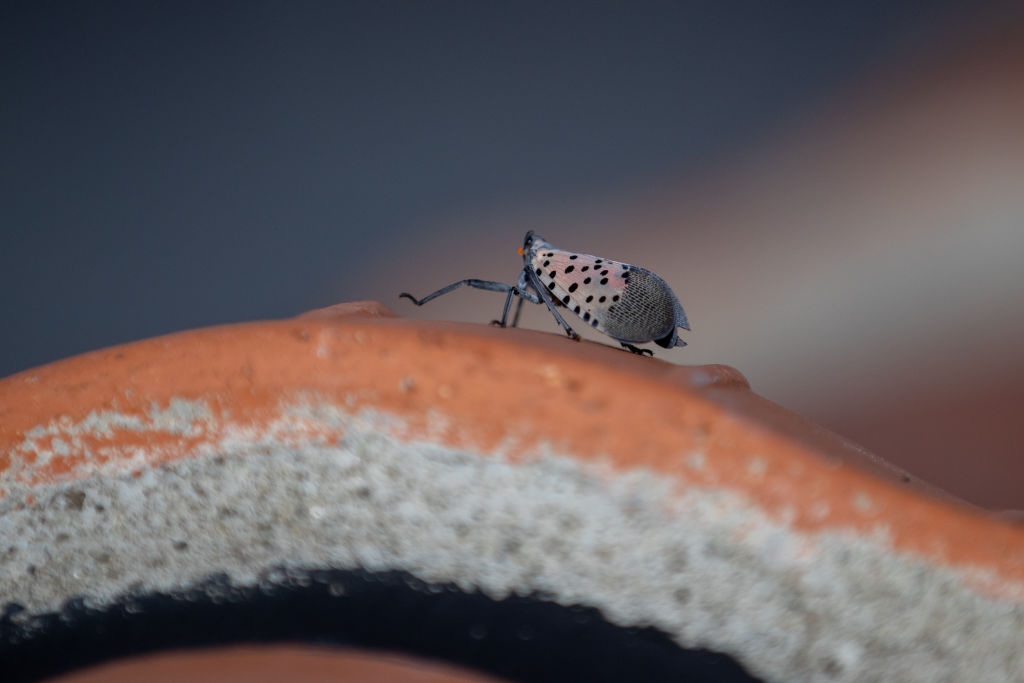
(501, 386)
(270, 664)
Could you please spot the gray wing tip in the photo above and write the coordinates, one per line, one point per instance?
(681, 320)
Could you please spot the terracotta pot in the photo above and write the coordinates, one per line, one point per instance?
(273, 664)
(507, 500)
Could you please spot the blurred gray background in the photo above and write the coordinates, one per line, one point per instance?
(835, 190)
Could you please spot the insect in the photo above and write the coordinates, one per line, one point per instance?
(625, 302)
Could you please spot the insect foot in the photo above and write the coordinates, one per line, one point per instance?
(638, 351)
(411, 298)
(628, 303)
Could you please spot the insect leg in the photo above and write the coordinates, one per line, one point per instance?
(633, 349)
(523, 285)
(477, 284)
(519, 309)
(524, 294)
(561, 321)
(549, 302)
(504, 310)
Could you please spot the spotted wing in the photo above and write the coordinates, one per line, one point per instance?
(615, 298)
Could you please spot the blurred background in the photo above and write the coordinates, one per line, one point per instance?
(834, 190)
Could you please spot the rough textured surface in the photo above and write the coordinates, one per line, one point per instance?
(503, 461)
(707, 567)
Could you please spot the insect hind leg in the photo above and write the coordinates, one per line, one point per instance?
(469, 282)
(636, 350)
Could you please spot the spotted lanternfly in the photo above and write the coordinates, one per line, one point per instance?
(625, 302)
